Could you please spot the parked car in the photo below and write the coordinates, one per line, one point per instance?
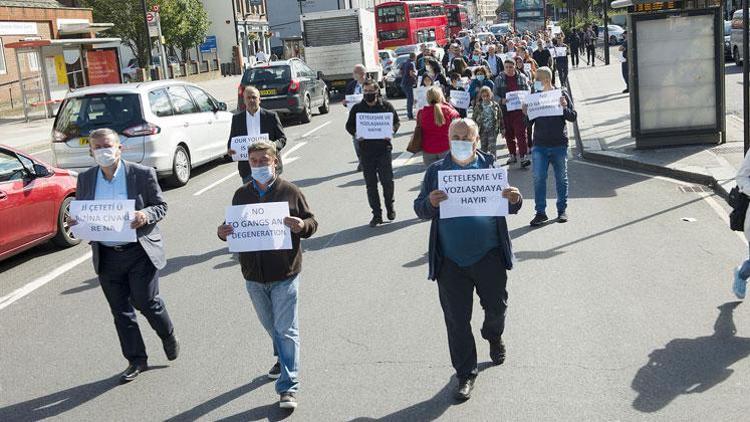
(387, 57)
(500, 29)
(727, 40)
(393, 79)
(407, 49)
(616, 34)
(168, 125)
(34, 203)
(288, 87)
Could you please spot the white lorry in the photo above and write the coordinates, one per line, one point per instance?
(337, 40)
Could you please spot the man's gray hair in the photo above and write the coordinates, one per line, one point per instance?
(265, 146)
(104, 133)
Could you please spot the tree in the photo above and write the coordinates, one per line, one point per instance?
(184, 24)
(127, 15)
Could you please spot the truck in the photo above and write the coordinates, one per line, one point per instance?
(337, 40)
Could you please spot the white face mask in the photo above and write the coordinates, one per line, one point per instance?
(538, 86)
(262, 174)
(105, 157)
(462, 150)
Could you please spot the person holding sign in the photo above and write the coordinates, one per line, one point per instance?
(354, 90)
(272, 277)
(376, 153)
(468, 252)
(551, 147)
(255, 121)
(129, 272)
(561, 60)
(515, 125)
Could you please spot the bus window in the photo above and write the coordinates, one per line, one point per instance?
(391, 14)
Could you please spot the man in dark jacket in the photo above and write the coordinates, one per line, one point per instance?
(355, 87)
(515, 126)
(575, 44)
(468, 252)
(376, 153)
(256, 121)
(272, 276)
(551, 147)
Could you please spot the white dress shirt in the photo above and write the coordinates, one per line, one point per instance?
(253, 123)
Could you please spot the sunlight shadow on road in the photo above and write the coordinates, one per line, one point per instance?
(209, 406)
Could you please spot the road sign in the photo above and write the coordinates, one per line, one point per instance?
(155, 8)
(153, 24)
(208, 45)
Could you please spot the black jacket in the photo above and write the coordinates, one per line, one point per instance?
(270, 124)
(381, 106)
(350, 86)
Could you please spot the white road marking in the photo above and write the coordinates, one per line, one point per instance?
(290, 160)
(292, 149)
(6, 301)
(405, 158)
(42, 151)
(316, 129)
(218, 182)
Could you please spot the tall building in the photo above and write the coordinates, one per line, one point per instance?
(240, 27)
(486, 10)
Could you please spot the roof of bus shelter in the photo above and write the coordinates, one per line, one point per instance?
(61, 42)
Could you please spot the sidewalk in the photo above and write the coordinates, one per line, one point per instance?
(604, 123)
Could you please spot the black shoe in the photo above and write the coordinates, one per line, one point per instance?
(275, 372)
(359, 167)
(375, 221)
(171, 347)
(287, 401)
(525, 162)
(538, 220)
(391, 215)
(497, 351)
(132, 371)
(562, 217)
(463, 392)
(625, 91)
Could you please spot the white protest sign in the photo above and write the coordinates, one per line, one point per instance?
(561, 51)
(511, 54)
(527, 67)
(374, 125)
(513, 99)
(460, 99)
(103, 220)
(241, 144)
(544, 104)
(258, 227)
(353, 99)
(473, 193)
(420, 97)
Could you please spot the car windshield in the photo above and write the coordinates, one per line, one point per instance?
(80, 115)
(384, 56)
(727, 27)
(267, 74)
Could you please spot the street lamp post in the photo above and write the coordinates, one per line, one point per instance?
(606, 33)
(148, 36)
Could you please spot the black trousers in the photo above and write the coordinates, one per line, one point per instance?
(562, 70)
(574, 58)
(128, 280)
(625, 74)
(456, 286)
(377, 165)
(591, 55)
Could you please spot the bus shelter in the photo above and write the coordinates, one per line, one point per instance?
(48, 69)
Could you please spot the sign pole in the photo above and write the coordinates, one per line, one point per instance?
(162, 52)
(745, 76)
(606, 33)
(148, 36)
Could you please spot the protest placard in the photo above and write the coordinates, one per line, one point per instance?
(258, 227)
(420, 97)
(544, 104)
(473, 193)
(527, 68)
(513, 99)
(353, 99)
(103, 220)
(241, 144)
(460, 99)
(561, 51)
(374, 125)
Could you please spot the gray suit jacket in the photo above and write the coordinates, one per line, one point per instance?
(144, 188)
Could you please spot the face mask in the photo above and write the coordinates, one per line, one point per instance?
(476, 58)
(370, 96)
(105, 157)
(462, 150)
(538, 86)
(262, 174)
(480, 78)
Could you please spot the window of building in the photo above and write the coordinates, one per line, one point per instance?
(3, 68)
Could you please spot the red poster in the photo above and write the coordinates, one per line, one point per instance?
(103, 67)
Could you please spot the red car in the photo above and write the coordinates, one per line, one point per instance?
(34, 203)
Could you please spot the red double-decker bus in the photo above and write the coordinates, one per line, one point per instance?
(458, 18)
(401, 23)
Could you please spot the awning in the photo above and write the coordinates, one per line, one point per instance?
(621, 3)
(62, 42)
(83, 28)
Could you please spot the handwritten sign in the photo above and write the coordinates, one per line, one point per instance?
(353, 99)
(559, 51)
(241, 145)
(514, 99)
(374, 125)
(473, 193)
(103, 220)
(544, 104)
(460, 99)
(258, 227)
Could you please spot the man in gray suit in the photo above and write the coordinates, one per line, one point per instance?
(129, 272)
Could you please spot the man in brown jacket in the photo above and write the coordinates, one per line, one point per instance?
(272, 277)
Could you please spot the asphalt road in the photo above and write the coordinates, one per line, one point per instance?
(624, 313)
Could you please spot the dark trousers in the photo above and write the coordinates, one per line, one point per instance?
(562, 70)
(409, 93)
(128, 280)
(591, 55)
(456, 286)
(376, 165)
(574, 58)
(625, 74)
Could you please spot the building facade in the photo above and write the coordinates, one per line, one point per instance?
(486, 10)
(240, 27)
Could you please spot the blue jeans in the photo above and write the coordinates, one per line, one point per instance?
(275, 304)
(541, 158)
(409, 92)
(745, 270)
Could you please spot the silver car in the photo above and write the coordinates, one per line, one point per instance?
(171, 126)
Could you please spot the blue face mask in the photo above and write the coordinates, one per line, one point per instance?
(480, 78)
(476, 58)
(262, 174)
(462, 150)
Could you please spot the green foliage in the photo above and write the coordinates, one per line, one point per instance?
(184, 23)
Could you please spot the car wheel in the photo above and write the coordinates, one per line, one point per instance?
(325, 107)
(64, 237)
(736, 55)
(306, 115)
(180, 167)
(613, 40)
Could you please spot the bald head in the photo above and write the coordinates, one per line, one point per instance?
(359, 73)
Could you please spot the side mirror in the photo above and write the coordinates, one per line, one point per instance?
(320, 75)
(222, 106)
(41, 171)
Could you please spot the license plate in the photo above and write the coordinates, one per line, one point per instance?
(83, 141)
(267, 92)
(338, 83)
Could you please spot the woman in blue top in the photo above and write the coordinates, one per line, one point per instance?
(480, 79)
